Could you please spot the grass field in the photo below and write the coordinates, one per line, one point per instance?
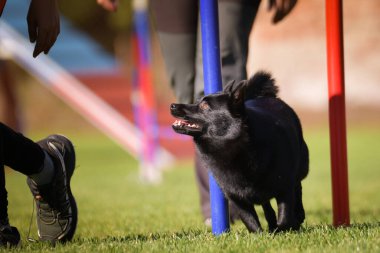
(118, 213)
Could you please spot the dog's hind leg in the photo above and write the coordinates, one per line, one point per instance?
(270, 216)
(299, 212)
(248, 215)
(286, 219)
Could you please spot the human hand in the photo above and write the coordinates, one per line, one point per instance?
(43, 24)
(109, 5)
(281, 7)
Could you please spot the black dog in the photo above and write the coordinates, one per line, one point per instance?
(252, 141)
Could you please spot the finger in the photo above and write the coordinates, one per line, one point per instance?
(283, 10)
(291, 5)
(278, 17)
(279, 11)
(41, 43)
(107, 4)
(32, 30)
(115, 4)
(271, 4)
(51, 38)
(37, 50)
(32, 25)
(50, 42)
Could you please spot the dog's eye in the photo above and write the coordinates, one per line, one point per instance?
(204, 105)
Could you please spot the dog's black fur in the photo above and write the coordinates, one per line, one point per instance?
(252, 141)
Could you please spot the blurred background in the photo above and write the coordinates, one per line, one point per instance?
(294, 51)
(98, 49)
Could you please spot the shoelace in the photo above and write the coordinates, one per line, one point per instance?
(57, 216)
(28, 237)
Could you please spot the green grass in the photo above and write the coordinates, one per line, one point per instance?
(118, 213)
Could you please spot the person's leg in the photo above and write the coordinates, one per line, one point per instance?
(3, 191)
(201, 174)
(235, 21)
(236, 18)
(15, 147)
(176, 24)
(9, 235)
(49, 165)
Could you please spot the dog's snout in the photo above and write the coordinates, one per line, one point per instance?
(177, 110)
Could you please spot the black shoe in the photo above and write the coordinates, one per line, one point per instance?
(57, 213)
(9, 236)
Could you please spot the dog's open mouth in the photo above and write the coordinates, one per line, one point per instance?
(184, 123)
(186, 127)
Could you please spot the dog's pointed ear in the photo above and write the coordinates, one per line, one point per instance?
(229, 86)
(237, 95)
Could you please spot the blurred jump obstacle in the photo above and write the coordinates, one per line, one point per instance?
(143, 91)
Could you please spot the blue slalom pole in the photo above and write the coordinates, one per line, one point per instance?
(213, 83)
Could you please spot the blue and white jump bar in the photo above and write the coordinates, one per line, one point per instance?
(213, 83)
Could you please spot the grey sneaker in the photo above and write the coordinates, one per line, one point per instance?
(9, 236)
(57, 213)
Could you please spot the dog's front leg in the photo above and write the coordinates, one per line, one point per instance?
(270, 216)
(248, 215)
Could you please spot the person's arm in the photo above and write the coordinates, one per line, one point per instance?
(281, 8)
(43, 24)
(110, 5)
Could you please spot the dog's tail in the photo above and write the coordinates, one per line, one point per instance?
(261, 85)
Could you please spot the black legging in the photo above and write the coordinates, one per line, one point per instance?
(20, 154)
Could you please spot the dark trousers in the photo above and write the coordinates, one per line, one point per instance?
(177, 23)
(20, 154)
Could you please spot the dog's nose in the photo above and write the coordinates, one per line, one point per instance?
(173, 106)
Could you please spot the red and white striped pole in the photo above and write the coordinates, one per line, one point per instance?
(145, 110)
(337, 112)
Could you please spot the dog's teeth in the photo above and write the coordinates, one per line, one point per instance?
(184, 123)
